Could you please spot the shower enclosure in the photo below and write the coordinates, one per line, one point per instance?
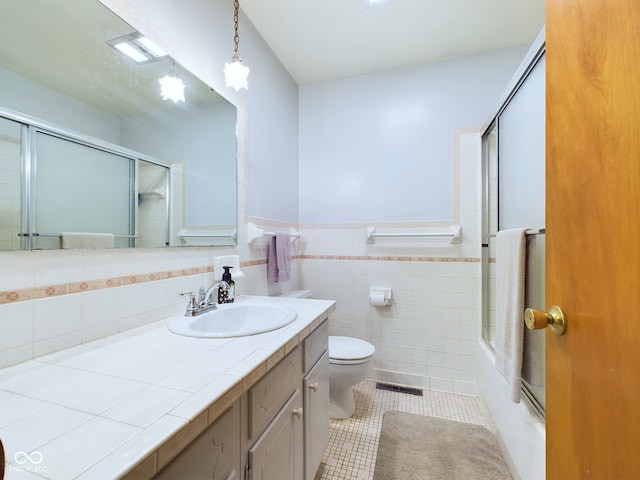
(514, 196)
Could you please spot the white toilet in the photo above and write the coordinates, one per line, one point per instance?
(350, 362)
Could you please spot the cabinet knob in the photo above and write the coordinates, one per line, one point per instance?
(298, 412)
(314, 386)
(231, 476)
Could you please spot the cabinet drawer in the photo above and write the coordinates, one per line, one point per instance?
(315, 345)
(271, 392)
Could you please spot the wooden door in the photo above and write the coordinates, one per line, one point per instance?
(593, 238)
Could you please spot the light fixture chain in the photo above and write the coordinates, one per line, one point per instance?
(236, 72)
(236, 37)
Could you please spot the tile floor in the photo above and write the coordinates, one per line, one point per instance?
(353, 443)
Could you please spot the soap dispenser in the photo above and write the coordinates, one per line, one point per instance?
(227, 293)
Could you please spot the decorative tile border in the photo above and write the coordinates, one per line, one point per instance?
(36, 293)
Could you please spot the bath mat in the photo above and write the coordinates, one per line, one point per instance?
(416, 447)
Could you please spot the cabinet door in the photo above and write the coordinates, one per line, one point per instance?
(316, 416)
(278, 453)
(215, 454)
(268, 395)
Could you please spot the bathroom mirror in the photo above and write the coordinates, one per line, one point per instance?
(59, 73)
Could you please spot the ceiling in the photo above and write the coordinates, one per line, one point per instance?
(321, 40)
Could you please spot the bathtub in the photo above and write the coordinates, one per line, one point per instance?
(521, 432)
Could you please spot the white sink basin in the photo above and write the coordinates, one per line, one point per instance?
(234, 320)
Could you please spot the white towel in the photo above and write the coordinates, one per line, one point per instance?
(510, 281)
(86, 240)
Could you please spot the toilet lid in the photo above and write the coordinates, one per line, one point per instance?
(349, 348)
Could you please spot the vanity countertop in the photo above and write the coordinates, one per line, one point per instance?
(124, 405)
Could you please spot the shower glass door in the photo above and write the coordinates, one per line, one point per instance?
(514, 196)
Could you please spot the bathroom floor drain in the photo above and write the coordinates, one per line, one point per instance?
(399, 389)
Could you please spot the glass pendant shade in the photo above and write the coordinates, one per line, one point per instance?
(236, 74)
(171, 88)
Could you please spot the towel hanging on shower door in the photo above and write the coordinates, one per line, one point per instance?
(510, 279)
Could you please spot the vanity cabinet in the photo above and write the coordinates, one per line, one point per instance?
(293, 440)
(277, 430)
(215, 454)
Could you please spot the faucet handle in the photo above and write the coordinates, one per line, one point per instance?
(192, 300)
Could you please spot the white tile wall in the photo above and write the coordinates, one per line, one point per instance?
(426, 338)
(32, 328)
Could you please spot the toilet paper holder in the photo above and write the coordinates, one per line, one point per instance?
(380, 297)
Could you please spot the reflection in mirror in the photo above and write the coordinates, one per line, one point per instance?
(100, 203)
(107, 171)
(10, 192)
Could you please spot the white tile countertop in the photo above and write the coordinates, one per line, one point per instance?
(126, 404)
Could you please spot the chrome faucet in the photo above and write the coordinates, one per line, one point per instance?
(206, 300)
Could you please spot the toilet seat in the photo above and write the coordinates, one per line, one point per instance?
(349, 350)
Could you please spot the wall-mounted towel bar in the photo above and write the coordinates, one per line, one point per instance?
(186, 234)
(455, 232)
(35, 234)
(254, 232)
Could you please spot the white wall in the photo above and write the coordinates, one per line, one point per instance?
(391, 150)
(25, 96)
(378, 148)
(427, 337)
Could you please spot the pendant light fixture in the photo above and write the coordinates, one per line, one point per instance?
(236, 72)
(172, 87)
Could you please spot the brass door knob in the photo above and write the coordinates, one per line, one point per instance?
(555, 319)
